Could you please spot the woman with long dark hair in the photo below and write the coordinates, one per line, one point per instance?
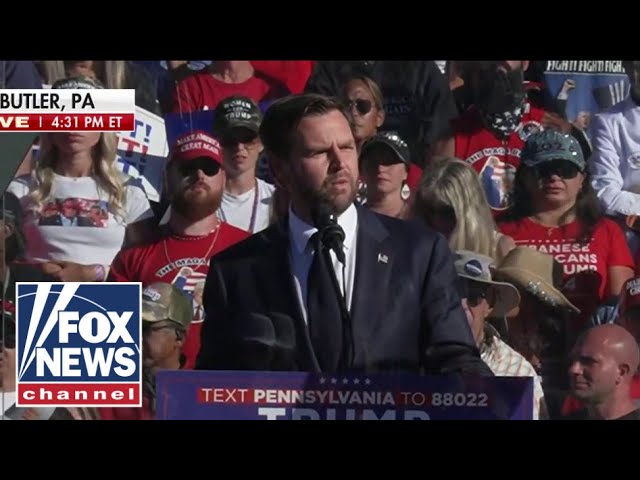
(554, 210)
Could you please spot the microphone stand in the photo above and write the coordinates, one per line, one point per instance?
(348, 346)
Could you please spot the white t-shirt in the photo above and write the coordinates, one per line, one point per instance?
(237, 210)
(75, 223)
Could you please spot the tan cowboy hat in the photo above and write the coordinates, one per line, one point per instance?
(476, 267)
(537, 273)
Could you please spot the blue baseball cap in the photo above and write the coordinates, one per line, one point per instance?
(549, 145)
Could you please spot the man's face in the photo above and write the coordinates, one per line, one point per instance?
(241, 148)
(160, 344)
(195, 187)
(593, 371)
(323, 163)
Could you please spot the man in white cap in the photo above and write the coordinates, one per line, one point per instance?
(487, 298)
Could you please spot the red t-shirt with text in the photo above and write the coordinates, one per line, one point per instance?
(494, 159)
(202, 91)
(585, 267)
(182, 261)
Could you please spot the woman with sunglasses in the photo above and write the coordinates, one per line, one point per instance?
(363, 100)
(450, 199)
(554, 210)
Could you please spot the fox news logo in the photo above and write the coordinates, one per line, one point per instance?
(78, 344)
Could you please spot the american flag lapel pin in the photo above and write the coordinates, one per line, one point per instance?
(382, 258)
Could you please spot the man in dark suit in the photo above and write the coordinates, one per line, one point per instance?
(400, 310)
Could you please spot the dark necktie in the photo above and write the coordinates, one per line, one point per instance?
(323, 310)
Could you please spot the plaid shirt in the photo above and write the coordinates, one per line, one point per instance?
(504, 361)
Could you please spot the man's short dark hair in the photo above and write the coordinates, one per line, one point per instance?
(282, 118)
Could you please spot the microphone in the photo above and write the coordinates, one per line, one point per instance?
(331, 233)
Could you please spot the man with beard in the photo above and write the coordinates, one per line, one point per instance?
(180, 255)
(288, 290)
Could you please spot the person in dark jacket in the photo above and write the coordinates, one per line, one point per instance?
(15, 74)
(417, 99)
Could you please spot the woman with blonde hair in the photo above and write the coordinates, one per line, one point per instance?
(451, 200)
(78, 207)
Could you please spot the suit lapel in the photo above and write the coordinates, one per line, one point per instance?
(372, 273)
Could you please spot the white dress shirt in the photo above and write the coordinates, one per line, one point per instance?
(301, 253)
(615, 162)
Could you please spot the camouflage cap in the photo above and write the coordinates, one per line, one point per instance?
(163, 301)
(550, 145)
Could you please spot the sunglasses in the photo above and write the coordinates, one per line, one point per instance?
(560, 168)
(233, 138)
(476, 293)
(362, 106)
(208, 166)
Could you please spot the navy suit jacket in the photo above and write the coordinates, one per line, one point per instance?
(406, 313)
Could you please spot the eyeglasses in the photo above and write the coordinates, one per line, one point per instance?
(208, 166)
(561, 168)
(247, 138)
(362, 106)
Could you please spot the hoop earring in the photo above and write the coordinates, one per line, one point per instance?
(405, 193)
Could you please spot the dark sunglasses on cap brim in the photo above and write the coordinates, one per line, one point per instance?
(561, 168)
(362, 106)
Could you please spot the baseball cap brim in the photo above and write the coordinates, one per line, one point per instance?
(387, 143)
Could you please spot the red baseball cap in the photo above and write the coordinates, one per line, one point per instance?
(195, 145)
(630, 296)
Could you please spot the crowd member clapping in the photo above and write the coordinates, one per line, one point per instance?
(554, 210)
(603, 364)
(486, 297)
(194, 233)
(76, 177)
(451, 200)
(384, 165)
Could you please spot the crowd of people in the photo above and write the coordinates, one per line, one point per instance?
(481, 232)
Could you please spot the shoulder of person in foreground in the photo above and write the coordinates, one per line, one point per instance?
(448, 345)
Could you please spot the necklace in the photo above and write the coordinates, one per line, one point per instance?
(254, 209)
(203, 259)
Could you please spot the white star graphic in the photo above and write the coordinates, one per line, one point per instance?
(356, 381)
(333, 380)
(322, 380)
(367, 381)
(345, 381)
